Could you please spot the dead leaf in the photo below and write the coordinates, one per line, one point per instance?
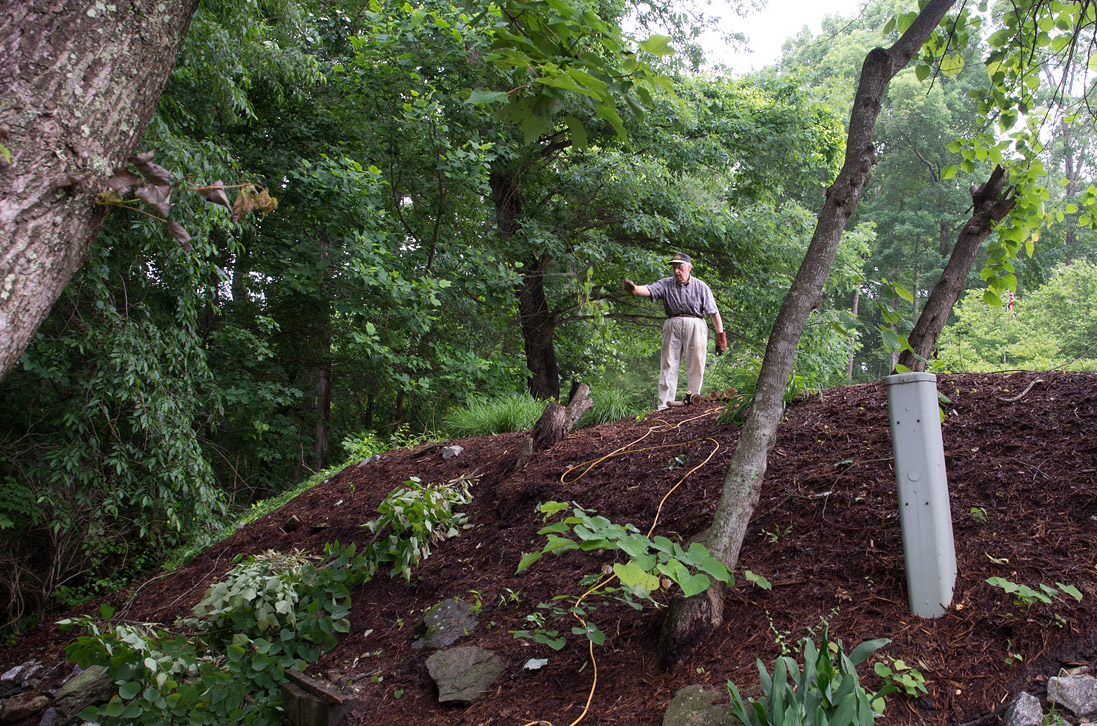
(123, 181)
(215, 194)
(180, 234)
(157, 197)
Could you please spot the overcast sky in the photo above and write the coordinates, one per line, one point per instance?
(769, 28)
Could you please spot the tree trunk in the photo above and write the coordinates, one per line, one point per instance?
(990, 207)
(538, 328)
(747, 468)
(537, 320)
(79, 81)
(853, 342)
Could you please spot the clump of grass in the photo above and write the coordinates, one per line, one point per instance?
(488, 416)
(610, 404)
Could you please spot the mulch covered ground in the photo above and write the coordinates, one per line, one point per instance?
(826, 534)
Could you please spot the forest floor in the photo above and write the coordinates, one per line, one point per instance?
(826, 534)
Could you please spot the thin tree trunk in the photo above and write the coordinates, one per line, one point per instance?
(852, 354)
(990, 207)
(689, 621)
(79, 82)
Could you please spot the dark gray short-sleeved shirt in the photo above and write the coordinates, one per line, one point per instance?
(694, 298)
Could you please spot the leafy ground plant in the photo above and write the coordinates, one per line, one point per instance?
(827, 692)
(415, 517)
(653, 564)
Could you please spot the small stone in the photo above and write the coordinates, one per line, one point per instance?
(448, 452)
(1024, 711)
(1076, 693)
(464, 674)
(23, 706)
(694, 706)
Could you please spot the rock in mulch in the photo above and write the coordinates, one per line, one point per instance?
(1025, 711)
(85, 688)
(464, 674)
(444, 624)
(1076, 693)
(23, 706)
(694, 706)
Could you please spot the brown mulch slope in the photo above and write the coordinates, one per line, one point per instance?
(826, 534)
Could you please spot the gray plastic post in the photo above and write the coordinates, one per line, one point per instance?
(928, 547)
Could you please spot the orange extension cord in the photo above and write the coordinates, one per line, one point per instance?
(663, 426)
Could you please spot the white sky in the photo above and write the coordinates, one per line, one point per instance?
(768, 29)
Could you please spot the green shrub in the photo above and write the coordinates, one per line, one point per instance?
(486, 417)
(415, 517)
(826, 693)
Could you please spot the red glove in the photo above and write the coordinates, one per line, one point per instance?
(628, 286)
(721, 342)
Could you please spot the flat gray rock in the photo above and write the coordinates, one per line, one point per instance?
(464, 674)
(1078, 694)
(444, 624)
(694, 706)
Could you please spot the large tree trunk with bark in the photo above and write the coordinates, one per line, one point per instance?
(689, 621)
(990, 206)
(538, 330)
(537, 320)
(79, 81)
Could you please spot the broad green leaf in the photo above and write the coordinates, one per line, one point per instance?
(632, 575)
(949, 171)
(657, 45)
(578, 132)
(479, 98)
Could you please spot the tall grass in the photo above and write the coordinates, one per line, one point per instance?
(485, 417)
(612, 404)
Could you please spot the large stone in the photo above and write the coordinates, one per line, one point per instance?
(23, 706)
(1024, 711)
(85, 688)
(464, 674)
(694, 706)
(444, 624)
(310, 702)
(1078, 694)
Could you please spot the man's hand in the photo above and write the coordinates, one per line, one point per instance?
(721, 342)
(628, 286)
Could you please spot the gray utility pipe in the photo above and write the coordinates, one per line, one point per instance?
(928, 547)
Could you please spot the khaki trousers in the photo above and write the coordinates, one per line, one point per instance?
(683, 338)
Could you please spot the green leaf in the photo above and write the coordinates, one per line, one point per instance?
(632, 575)
(528, 558)
(578, 132)
(758, 580)
(657, 45)
(949, 171)
(991, 299)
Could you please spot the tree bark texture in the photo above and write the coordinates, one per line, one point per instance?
(746, 471)
(79, 81)
(537, 321)
(990, 206)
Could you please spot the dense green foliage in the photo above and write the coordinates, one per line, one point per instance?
(273, 611)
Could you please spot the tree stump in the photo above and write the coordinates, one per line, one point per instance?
(555, 423)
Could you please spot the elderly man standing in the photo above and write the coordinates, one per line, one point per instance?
(686, 302)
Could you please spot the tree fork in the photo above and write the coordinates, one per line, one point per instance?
(991, 205)
(685, 627)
